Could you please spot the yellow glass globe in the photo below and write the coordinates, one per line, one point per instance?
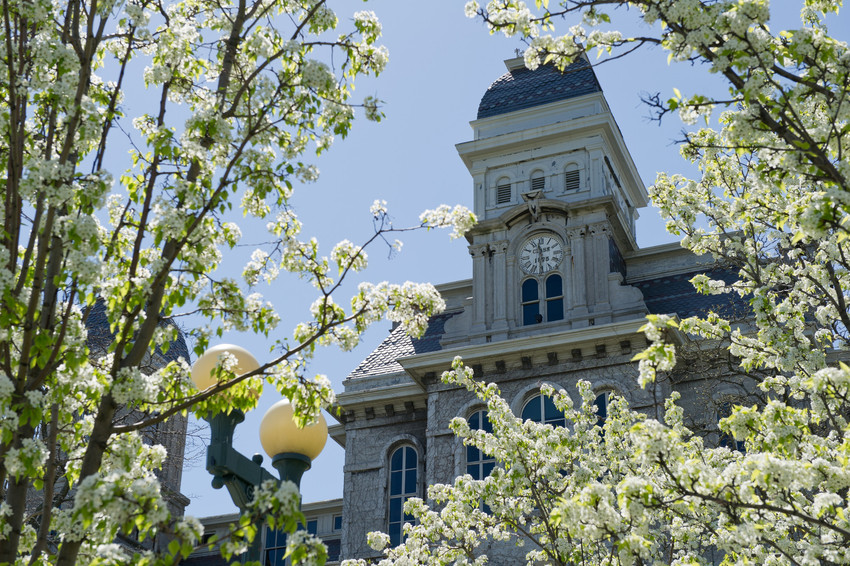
(202, 369)
(280, 434)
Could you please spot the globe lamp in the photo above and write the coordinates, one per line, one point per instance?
(203, 370)
(292, 449)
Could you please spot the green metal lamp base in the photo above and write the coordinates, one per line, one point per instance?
(291, 466)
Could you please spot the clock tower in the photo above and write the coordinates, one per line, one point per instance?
(558, 294)
(556, 194)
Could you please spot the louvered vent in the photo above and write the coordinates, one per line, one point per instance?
(572, 180)
(538, 183)
(503, 194)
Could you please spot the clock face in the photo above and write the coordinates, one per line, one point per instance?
(540, 255)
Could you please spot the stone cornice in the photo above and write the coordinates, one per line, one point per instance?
(398, 391)
(420, 365)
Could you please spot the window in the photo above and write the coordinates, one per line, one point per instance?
(403, 466)
(538, 182)
(531, 302)
(334, 545)
(726, 439)
(572, 178)
(601, 404)
(275, 549)
(541, 409)
(337, 522)
(554, 300)
(478, 464)
(503, 193)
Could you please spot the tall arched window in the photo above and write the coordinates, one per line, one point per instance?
(541, 409)
(601, 404)
(553, 295)
(531, 302)
(554, 298)
(478, 464)
(726, 439)
(403, 469)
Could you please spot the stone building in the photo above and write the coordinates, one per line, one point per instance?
(171, 434)
(558, 293)
(323, 519)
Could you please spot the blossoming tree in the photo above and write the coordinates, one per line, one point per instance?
(771, 202)
(236, 97)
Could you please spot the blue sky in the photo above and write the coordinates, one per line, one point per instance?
(441, 63)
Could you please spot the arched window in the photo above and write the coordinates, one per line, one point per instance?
(554, 298)
(478, 464)
(601, 404)
(541, 409)
(553, 293)
(726, 439)
(531, 302)
(403, 485)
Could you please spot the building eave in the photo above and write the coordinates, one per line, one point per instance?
(420, 366)
(362, 402)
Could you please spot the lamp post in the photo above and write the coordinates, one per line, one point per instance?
(291, 449)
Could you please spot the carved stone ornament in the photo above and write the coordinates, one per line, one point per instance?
(532, 198)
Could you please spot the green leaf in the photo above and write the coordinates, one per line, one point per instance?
(639, 356)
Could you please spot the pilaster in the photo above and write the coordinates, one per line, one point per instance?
(599, 234)
(479, 253)
(500, 286)
(578, 281)
(598, 180)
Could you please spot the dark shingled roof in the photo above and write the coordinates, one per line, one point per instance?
(522, 88)
(675, 294)
(99, 336)
(398, 344)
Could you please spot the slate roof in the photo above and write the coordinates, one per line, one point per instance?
(522, 88)
(99, 335)
(398, 344)
(675, 294)
(663, 295)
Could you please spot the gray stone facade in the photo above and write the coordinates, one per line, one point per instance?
(552, 169)
(171, 434)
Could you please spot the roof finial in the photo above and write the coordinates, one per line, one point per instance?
(518, 52)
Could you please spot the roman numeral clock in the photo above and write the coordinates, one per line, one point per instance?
(540, 254)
